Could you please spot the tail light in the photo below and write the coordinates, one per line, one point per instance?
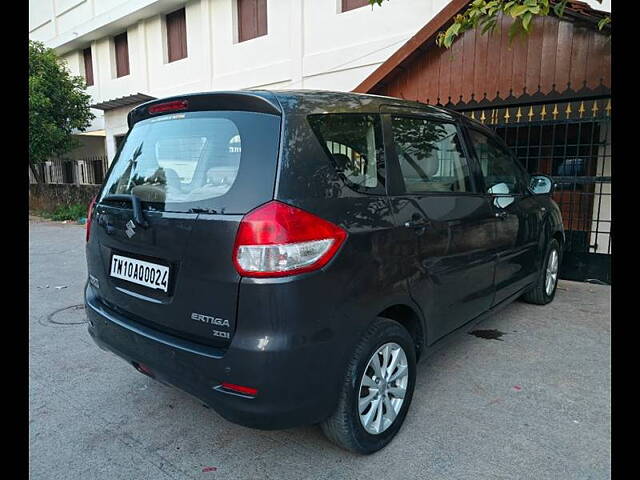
(89, 216)
(277, 240)
(169, 106)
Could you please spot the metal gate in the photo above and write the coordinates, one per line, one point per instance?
(571, 142)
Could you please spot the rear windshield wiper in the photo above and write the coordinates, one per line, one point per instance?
(210, 211)
(138, 216)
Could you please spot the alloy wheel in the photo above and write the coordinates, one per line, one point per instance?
(383, 388)
(552, 272)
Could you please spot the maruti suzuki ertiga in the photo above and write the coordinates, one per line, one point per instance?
(287, 257)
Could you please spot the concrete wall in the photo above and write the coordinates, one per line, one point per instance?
(48, 197)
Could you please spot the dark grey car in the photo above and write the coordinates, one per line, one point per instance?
(287, 257)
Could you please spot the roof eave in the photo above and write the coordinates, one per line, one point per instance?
(133, 99)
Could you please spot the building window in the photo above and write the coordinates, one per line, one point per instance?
(122, 54)
(353, 4)
(252, 19)
(88, 66)
(176, 35)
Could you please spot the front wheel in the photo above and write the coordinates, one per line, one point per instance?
(545, 288)
(376, 391)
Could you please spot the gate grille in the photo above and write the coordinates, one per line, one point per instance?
(571, 142)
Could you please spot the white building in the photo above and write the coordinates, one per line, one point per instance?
(136, 49)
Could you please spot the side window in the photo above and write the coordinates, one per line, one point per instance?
(430, 155)
(501, 173)
(354, 142)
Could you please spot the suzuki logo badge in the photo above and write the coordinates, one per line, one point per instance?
(131, 229)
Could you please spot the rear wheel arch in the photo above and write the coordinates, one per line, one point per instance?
(559, 236)
(411, 321)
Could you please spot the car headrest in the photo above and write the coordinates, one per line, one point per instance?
(431, 164)
(427, 166)
(341, 160)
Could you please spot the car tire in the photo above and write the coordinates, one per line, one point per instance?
(540, 294)
(387, 340)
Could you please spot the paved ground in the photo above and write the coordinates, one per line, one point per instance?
(535, 405)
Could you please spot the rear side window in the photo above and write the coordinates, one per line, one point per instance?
(431, 156)
(354, 144)
(224, 161)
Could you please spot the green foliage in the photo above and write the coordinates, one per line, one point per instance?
(484, 14)
(603, 22)
(58, 104)
(66, 212)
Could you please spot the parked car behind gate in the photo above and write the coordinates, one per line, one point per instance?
(288, 257)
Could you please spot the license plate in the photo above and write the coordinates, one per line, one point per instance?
(137, 271)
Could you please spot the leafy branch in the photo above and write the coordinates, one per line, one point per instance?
(483, 14)
(58, 106)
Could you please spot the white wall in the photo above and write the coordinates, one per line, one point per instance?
(310, 43)
(115, 124)
(601, 221)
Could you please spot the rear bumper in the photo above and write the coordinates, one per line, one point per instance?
(295, 387)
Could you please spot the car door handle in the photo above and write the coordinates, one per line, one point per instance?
(501, 215)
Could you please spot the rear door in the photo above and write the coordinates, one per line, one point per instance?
(447, 222)
(196, 173)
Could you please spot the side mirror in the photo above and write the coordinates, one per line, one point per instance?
(500, 191)
(541, 185)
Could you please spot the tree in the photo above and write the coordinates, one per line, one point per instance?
(484, 14)
(58, 105)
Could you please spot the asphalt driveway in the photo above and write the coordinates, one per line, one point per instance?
(531, 404)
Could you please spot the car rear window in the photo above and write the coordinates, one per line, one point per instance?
(220, 161)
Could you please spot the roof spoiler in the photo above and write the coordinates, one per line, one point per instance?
(237, 101)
